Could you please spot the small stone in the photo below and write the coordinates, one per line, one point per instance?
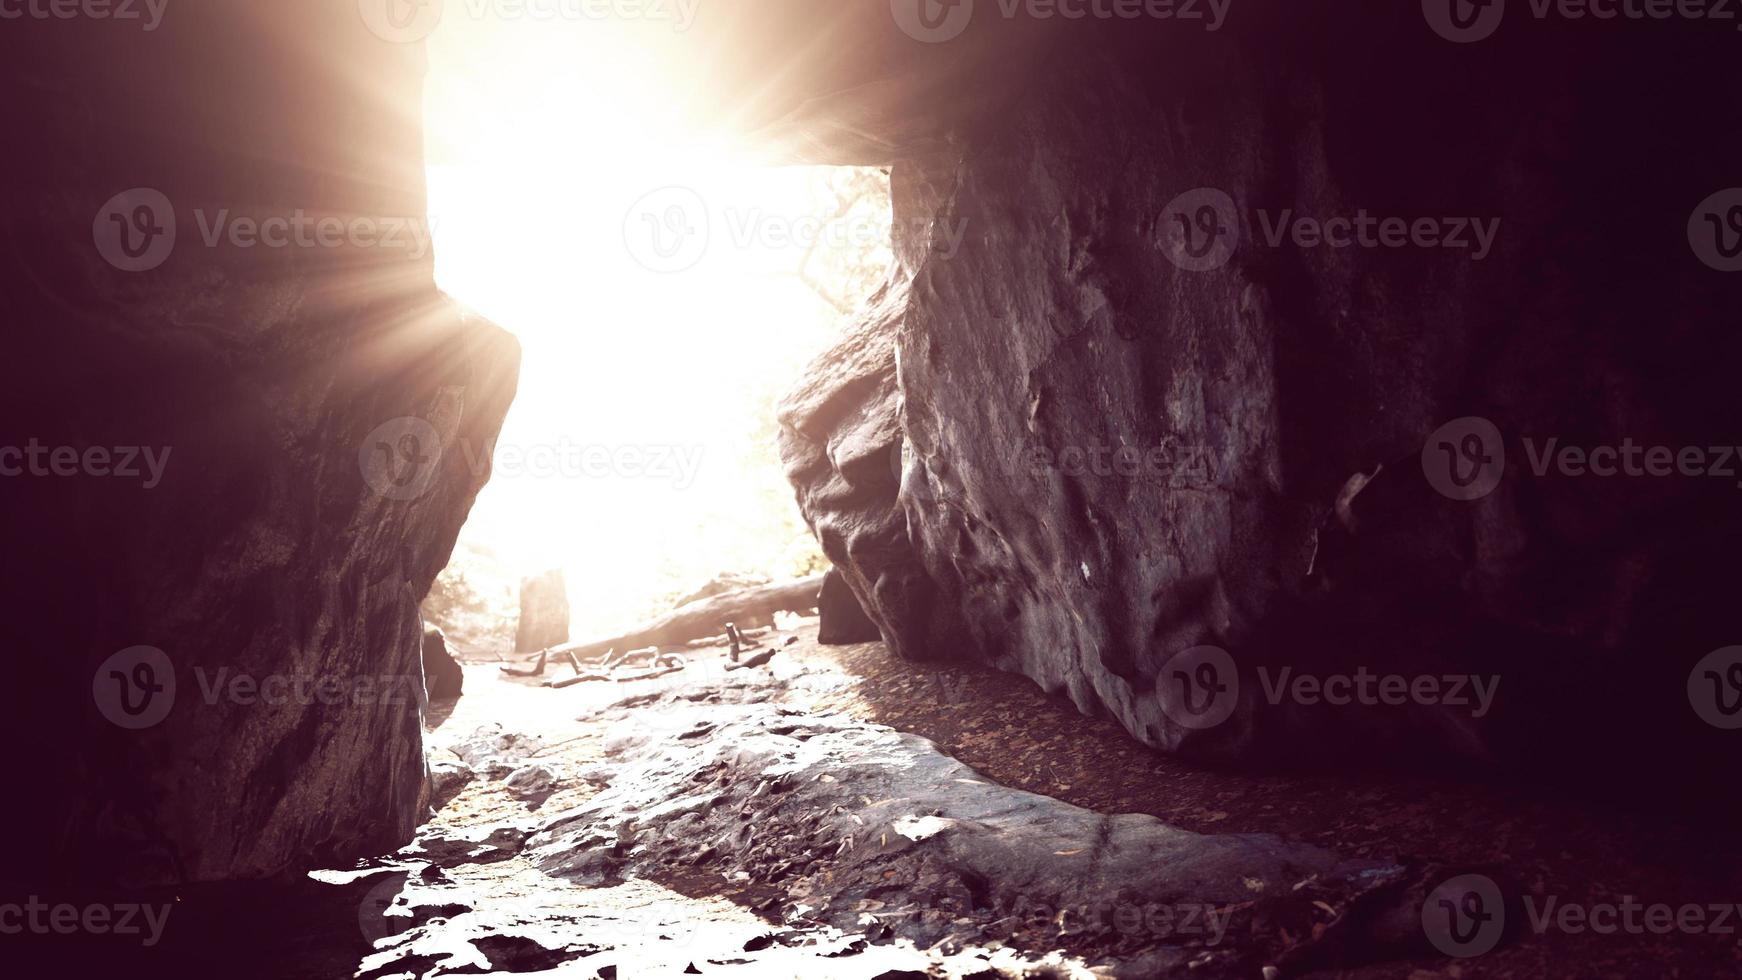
(533, 780)
(447, 778)
(495, 752)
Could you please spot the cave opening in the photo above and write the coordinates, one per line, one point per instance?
(667, 281)
(925, 488)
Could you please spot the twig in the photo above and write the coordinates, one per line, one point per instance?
(537, 670)
(562, 682)
(755, 661)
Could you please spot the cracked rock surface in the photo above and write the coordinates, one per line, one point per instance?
(785, 821)
(866, 826)
(1054, 445)
(727, 821)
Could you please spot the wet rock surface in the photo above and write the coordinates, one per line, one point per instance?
(847, 850)
(474, 892)
(864, 825)
(687, 836)
(727, 821)
(708, 818)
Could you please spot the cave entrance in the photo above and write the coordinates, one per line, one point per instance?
(666, 282)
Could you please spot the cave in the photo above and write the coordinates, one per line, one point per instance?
(1265, 506)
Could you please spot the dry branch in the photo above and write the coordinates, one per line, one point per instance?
(706, 618)
(536, 670)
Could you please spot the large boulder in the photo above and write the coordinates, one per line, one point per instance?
(841, 621)
(842, 446)
(442, 677)
(258, 402)
(1122, 448)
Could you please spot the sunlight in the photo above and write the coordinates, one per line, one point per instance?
(652, 274)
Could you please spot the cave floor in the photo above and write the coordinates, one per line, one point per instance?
(1003, 726)
(476, 893)
(1548, 842)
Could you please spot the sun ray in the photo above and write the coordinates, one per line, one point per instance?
(638, 455)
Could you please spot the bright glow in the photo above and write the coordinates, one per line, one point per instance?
(541, 138)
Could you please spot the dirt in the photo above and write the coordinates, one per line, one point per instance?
(1549, 841)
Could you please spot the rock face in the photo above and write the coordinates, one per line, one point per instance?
(218, 674)
(1125, 445)
(442, 677)
(841, 621)
(544, 612)
(842, 446)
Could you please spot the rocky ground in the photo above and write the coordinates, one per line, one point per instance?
(786, 820)
(758, 822)
(839, 813)
(1585, 847)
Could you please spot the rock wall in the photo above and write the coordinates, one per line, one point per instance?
(217, 282)
(1125, 447)
(842, 445)
(443, 678)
